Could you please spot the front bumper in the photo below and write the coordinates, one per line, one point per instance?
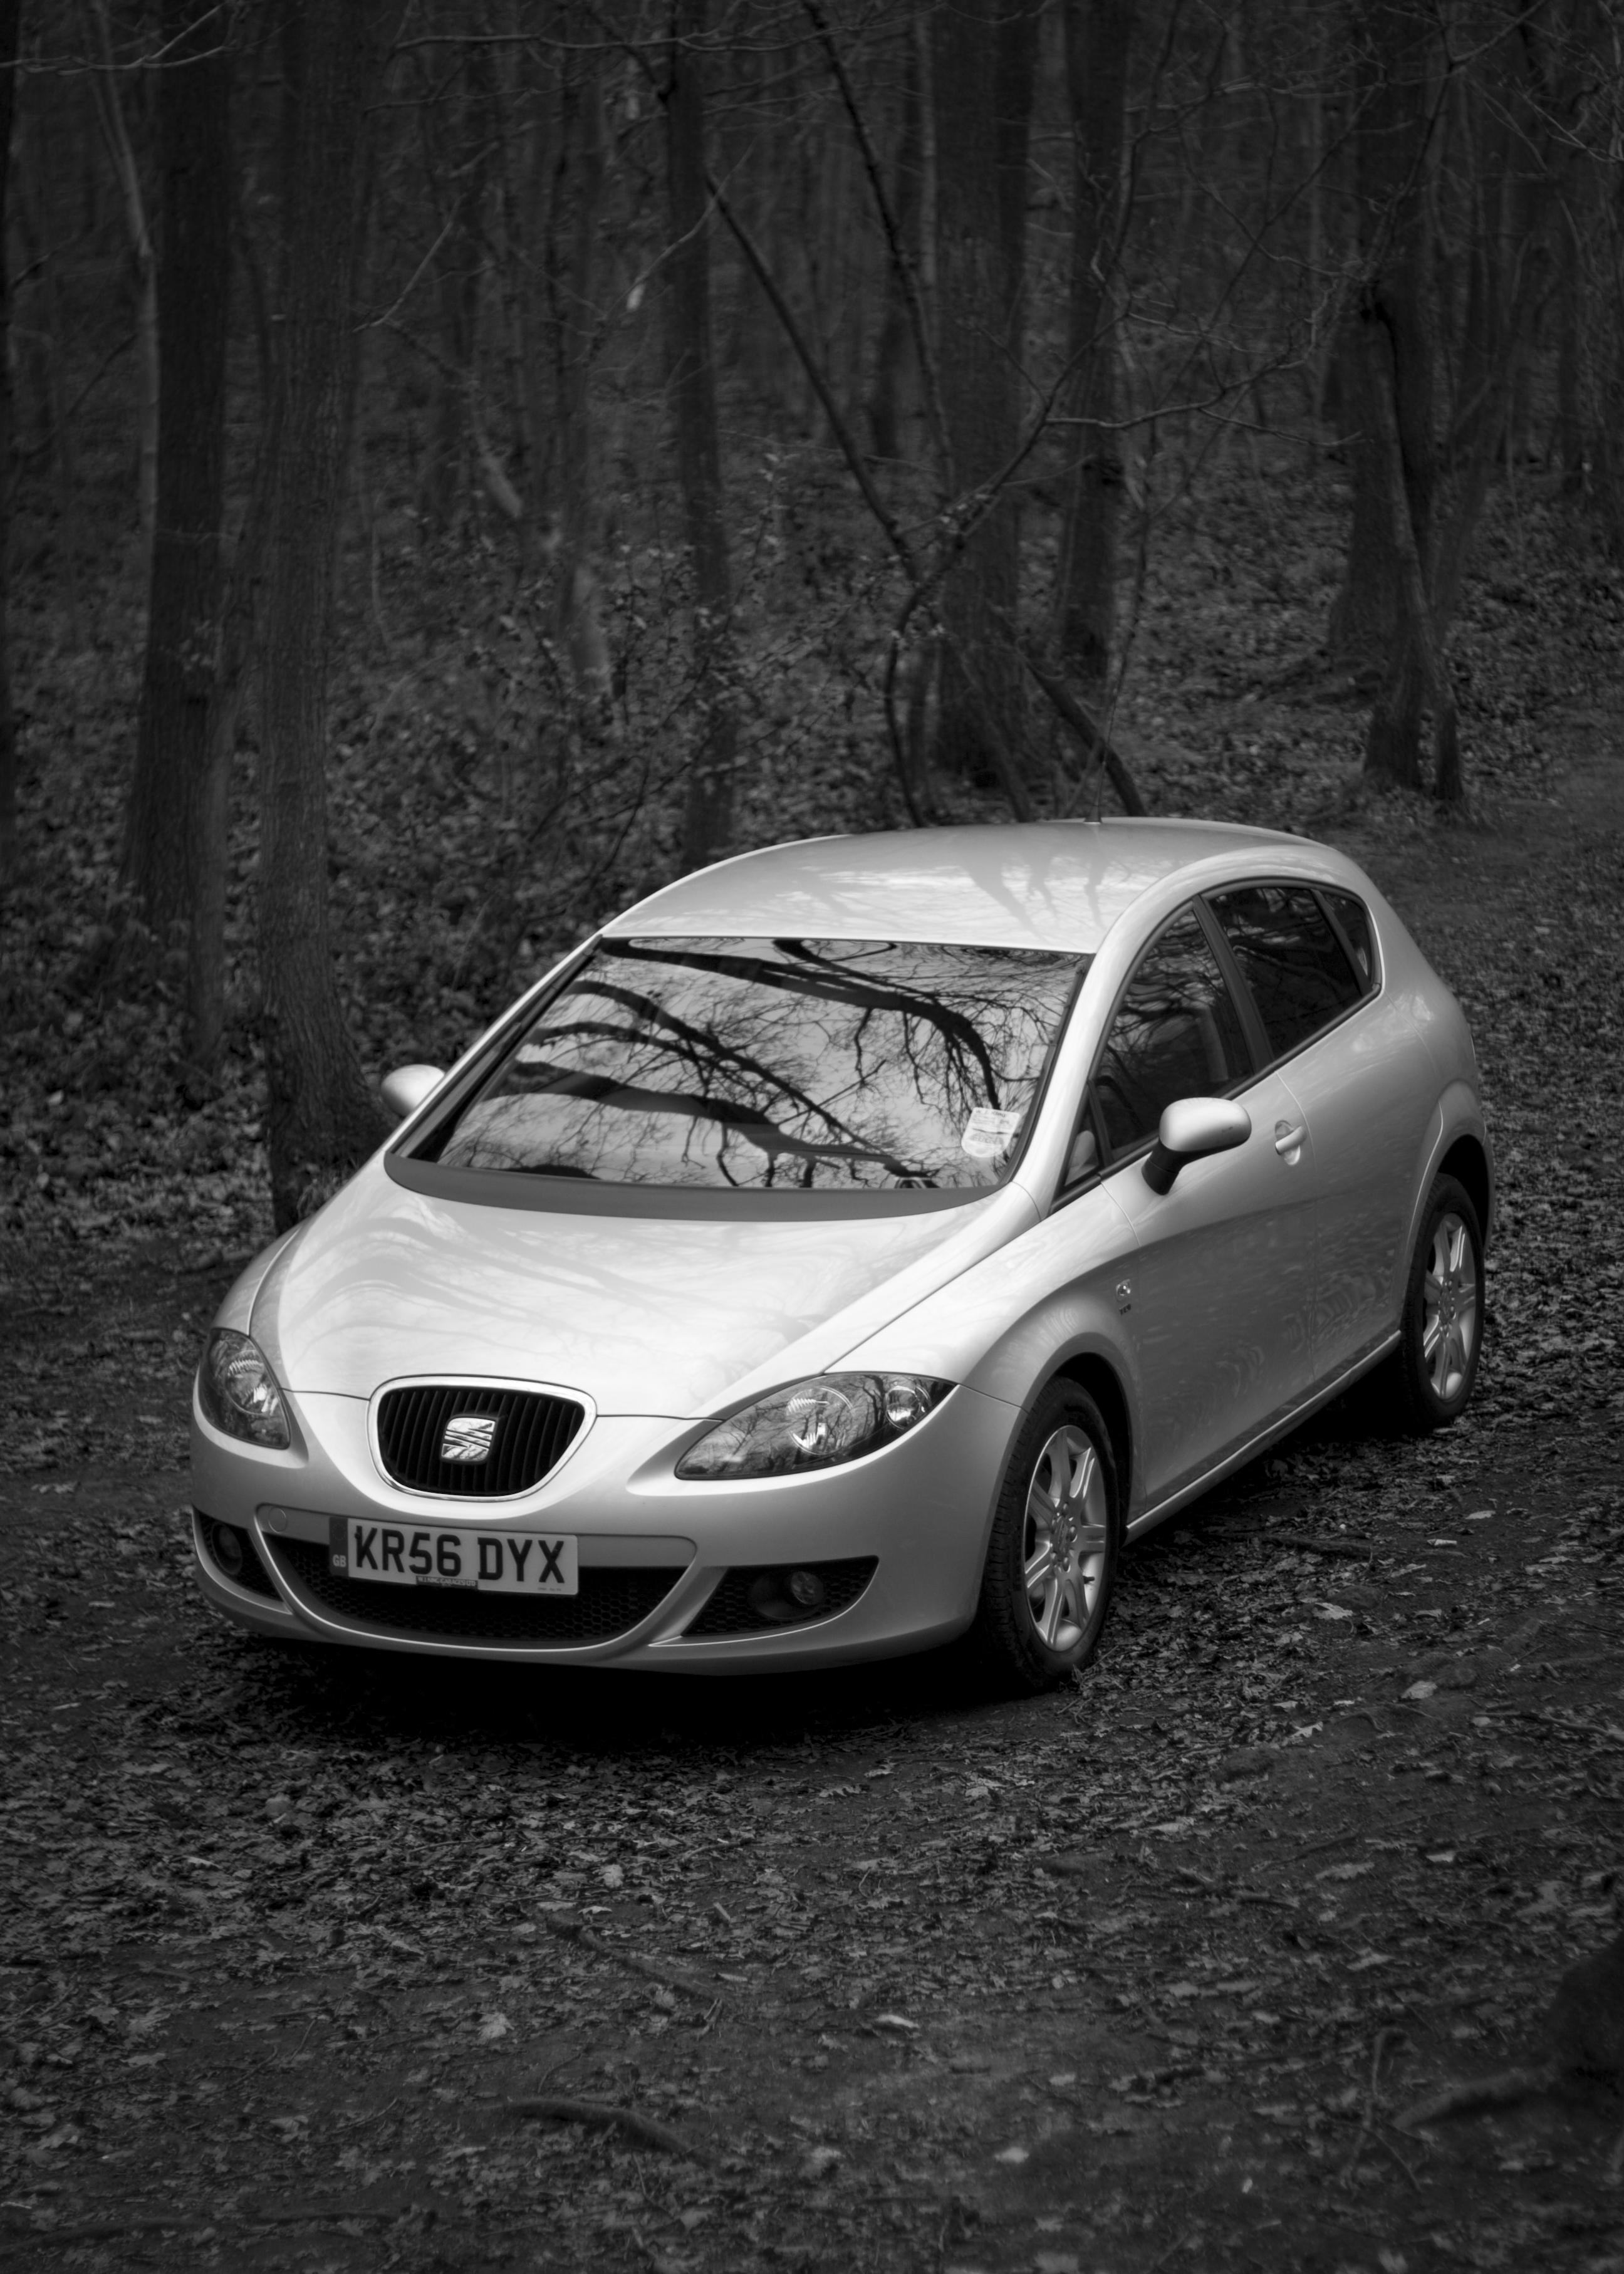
(919, 1510)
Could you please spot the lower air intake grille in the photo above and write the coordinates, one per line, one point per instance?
(531, 1433)
(610, 1603)
(255, 1574)
(757, 1600)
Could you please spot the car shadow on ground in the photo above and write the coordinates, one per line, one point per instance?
(319, 1696)
(322, 1696)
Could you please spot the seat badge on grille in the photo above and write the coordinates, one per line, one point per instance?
(468, 1437)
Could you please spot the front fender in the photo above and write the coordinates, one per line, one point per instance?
(1007, 1326)
(238, 1308)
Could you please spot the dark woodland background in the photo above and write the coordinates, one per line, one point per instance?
(460, 463)
(464, 463)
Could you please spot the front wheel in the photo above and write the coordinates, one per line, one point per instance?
(1441, 1330)
(1052, 1561)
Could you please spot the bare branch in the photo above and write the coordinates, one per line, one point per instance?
(905, 271)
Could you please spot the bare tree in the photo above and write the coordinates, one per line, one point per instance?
(572, 281)
(896, 377)
(1394, 95)
(1098, 37)
(10, 28)
(106, 82)
(322, 1119)
(460, 160)
(981, 47)
(707, 815)
(175, 829)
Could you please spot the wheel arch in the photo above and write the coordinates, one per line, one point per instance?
(1098, 1377)
(1468, 1163)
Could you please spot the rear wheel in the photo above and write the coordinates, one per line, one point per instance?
(1441, 1330)
(1052, 1561)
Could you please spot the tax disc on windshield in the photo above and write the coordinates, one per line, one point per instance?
(989, 1131)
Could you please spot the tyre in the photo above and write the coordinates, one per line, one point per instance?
(1440, 1331)
(1052, 1561)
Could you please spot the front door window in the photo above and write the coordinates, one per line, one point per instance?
(1177, 1033)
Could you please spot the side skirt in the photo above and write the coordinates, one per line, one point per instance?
(1254, 1446)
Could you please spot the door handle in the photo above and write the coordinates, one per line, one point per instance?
(1289, 1139)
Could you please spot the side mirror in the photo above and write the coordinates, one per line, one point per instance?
(1191, 1129)
(405, 1089)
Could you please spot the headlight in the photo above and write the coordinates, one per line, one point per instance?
(814, 1425)
(238, 1392)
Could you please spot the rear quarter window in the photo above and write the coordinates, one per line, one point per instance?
(1354, 918)
(1296, 968)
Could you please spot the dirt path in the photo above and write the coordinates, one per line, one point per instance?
(1136, 1977)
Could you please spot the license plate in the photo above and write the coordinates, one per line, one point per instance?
(442, 1555)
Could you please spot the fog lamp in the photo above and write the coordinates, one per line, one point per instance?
(769, 1600)
(808, 1589)
(228, 1546)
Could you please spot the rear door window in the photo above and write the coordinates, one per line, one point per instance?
(1177, 1033)
(1295, 967)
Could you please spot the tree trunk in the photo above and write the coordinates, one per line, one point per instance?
(897, 378)
(447, 485)
(534, 161)
(110, 111)
(175, 837)
(980, 212)
(707, 815)
(1489, 145)
(1416, 670)
(40, 261)
(322, 1118)
(1393, 61)
(11, 12)
(1606, 357)
(1569, 450)
(575, 316)
(1097, 35)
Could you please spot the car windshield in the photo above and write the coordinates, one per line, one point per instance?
(779, 1064)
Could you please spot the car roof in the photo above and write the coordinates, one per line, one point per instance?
(1047, 885)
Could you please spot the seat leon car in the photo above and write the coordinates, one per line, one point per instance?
(852, 1247)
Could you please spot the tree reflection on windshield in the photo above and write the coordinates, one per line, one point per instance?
(774, 1065)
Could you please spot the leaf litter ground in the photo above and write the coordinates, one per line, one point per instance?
(328, 1962)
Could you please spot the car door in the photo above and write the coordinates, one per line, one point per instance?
(1220, 1295)
(1365, 1082)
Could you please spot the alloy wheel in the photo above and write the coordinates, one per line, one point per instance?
(1063, 1544)
(1449, 1307)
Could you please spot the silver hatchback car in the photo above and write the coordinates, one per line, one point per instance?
(850, 1248)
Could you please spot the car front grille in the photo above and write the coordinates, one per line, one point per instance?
(733, 1611)
(610, 1603)
(532, 1433)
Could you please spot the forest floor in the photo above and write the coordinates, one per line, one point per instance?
(1141, 1975)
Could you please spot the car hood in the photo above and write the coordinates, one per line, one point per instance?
(646, 1315)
